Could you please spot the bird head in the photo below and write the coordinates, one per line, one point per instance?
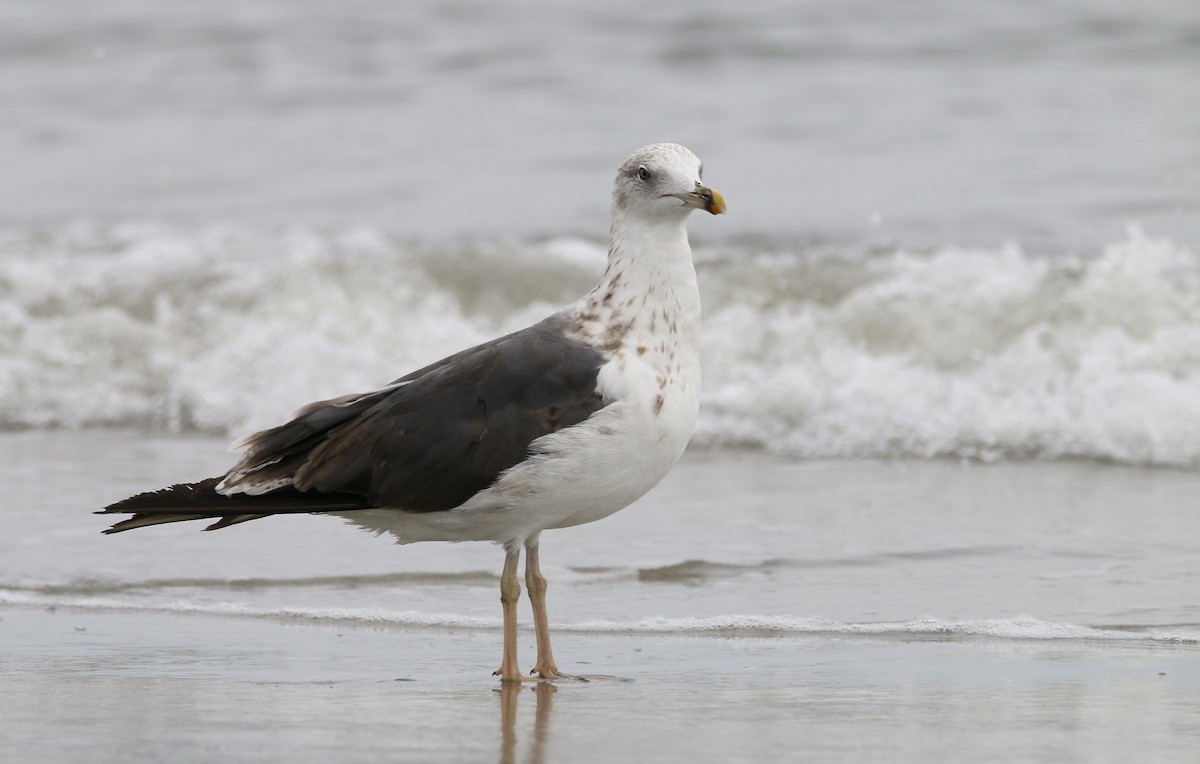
(664, 180)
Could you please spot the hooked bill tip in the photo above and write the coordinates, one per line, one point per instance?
(716, 204)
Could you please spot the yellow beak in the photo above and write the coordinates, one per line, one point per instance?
(716, 202)
(703, 198)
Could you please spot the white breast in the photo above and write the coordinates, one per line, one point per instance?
(579, 474)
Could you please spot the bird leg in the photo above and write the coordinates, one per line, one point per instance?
(535, 582)
(510, 593)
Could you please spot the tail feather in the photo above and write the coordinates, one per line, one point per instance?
(201, 501)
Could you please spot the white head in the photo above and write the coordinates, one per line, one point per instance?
(663, 181)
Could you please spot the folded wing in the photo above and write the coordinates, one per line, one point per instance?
(425, 443)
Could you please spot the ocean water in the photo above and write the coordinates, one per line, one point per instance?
(952, 232)
(1050, 124)
(808, 351)
(731, 545)
(951, 354)
(785, 610)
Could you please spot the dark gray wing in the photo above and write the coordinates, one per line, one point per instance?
(436, 437)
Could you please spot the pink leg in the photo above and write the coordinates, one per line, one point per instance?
(510, 593)
(535, 582)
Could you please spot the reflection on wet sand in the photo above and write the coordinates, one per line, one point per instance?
(509, 692)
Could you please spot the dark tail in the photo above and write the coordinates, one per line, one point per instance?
(200, 501)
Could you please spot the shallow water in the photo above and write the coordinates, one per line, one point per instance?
(730, 544)
(97, 686)
(769, 610)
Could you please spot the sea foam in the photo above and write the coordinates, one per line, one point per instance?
(1020, 628)
(811, 352)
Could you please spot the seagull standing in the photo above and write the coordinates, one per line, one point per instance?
(562, 423)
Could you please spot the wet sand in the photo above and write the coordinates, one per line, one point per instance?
(104, 686)
(898, 594)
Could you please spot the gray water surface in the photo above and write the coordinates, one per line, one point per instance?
(930, 122)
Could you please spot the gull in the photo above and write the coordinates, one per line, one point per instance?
(562, 423)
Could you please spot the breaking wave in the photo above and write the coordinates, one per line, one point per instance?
(809, 351)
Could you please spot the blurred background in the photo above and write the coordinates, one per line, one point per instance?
(1042, 122)
(953, 230)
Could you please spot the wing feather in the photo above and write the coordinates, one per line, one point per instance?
(425, 443)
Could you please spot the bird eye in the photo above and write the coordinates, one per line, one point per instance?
(643, 173)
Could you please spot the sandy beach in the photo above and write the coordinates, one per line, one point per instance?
(87, 686)
(751, 609)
